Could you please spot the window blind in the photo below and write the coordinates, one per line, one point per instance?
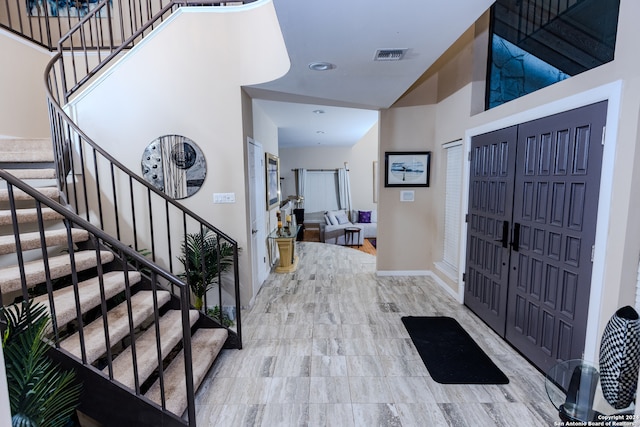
(453, 190)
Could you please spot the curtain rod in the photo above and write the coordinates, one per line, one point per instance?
(317, 170)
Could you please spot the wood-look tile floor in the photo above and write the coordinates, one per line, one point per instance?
(325, 346)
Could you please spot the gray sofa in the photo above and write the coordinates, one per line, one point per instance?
(332, 229)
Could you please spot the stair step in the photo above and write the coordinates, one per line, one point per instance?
(31, 240)
(59, 266)
(50, 192)
(26, 150)
(205, 345)
(28, 215)
(118, 321)
(146, 350)
(88, 293)
(44, 173)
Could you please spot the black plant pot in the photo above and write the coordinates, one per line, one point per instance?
(620, 358)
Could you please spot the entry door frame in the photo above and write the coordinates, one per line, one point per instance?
(612, 93)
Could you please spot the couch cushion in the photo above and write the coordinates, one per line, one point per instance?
(341, 217)
(364, 217)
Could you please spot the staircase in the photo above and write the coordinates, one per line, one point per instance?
(117, 324)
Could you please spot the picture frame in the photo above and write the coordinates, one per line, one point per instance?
(407, 168)
(272, 163)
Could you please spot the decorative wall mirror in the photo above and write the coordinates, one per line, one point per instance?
(175, 165)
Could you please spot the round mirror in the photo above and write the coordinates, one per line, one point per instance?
(175, 165)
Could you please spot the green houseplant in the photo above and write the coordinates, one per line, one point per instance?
(204, 257)
(40, 393)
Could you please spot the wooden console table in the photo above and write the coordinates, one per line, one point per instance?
(287, 247)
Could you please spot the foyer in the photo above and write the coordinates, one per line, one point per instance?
(325, 346)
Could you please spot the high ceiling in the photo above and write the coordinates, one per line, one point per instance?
(348, 34)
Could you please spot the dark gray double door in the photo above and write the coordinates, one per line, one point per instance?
(533, 196)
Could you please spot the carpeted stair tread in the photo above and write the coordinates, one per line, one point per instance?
(42, 173)
(205, 344)
(146, 350)
(89, 295)
(59, 266)
(29, 241)
(50, 192)
(26, 150)
(118, 321)
(28, 215)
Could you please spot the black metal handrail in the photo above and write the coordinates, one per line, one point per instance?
(92, 178)
(536, 14)
(130, 260)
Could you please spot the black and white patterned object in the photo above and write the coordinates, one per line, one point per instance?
(620, 357)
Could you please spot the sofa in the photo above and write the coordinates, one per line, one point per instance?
(332, 229)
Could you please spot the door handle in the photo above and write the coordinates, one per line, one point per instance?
(253, 231)
(515, 244)
(505, 235)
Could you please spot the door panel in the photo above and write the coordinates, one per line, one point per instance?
(554, 214)
(490, 210)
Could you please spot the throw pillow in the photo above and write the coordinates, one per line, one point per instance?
(364, 217)
(332, 217)
(342, 217)
(327, 221)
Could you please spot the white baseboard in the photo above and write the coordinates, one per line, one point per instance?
(438, 280)
(403, 273)
(444, 286)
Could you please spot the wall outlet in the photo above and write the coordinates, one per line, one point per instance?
(224, 197)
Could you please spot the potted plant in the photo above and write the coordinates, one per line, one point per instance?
(40, 393)
(204, 257)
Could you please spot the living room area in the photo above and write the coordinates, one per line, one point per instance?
(338, 184)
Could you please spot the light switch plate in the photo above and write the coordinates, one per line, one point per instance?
(224, 197)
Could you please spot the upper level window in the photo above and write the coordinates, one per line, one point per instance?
(535, 43)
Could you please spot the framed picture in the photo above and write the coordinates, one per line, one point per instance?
(273, 180)
(407, 169)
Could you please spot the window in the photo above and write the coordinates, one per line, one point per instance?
(453, 194)
(321, 191)
(536, 43)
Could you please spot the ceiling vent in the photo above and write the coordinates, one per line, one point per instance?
(389, 54)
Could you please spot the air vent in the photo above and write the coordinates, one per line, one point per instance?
(389, 54)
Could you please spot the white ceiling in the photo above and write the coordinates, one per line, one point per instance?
(348, 33)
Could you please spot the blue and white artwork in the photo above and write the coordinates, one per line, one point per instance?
(407, 169)
(76, 8)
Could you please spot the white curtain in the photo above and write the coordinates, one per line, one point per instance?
(321, 191)
(344, 190)
(301, 176)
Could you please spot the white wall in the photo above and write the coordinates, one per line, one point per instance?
(23, 103)
(186, 79)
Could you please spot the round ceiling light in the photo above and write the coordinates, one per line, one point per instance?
(318, 111)
(321, 66)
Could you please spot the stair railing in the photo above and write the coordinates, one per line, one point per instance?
(106, 193)
(536, 14)
(130, 261)
(96, 184)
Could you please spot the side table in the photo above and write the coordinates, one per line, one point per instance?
(286, 241)
(349, 234)
(571, 387)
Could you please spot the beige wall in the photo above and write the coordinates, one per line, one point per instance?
(174, 83)
(23, 106)
(450, 117)
(360, 157)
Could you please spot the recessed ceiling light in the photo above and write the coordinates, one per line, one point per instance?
(319, 132)
(321, 66)
(318, 111)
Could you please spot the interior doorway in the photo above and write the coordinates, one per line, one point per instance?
(533, 197)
